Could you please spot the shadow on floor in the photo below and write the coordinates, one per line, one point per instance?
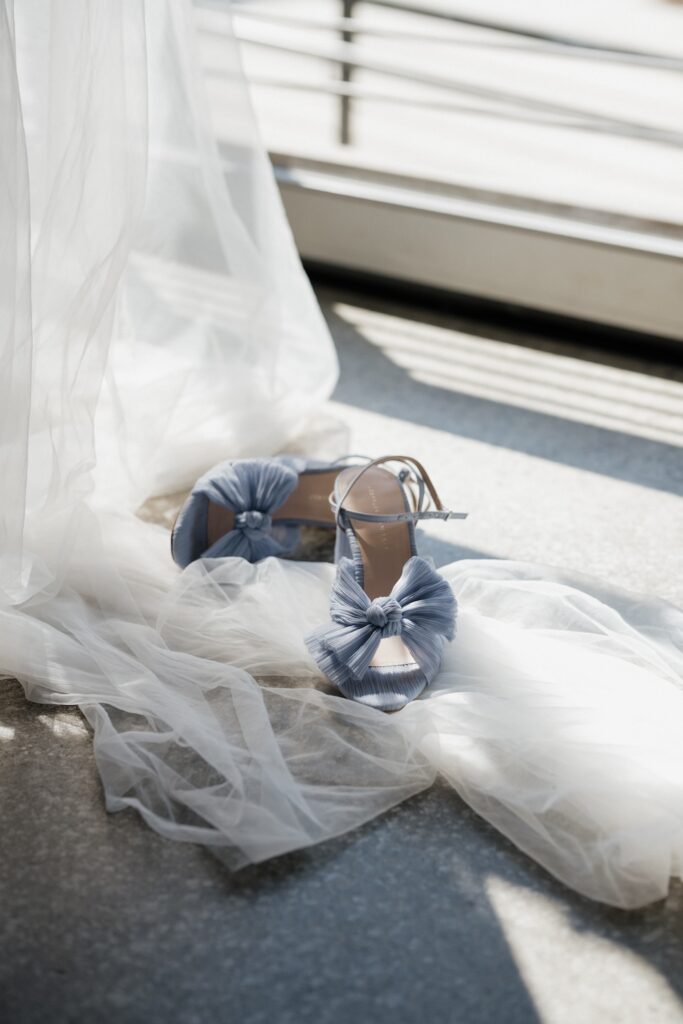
(388, 389)
(607, 348)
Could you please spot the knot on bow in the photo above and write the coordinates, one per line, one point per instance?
(253, 489)
(421, 609)
(385, 614)
(253, 519)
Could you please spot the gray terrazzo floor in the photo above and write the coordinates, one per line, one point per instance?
(563, 456)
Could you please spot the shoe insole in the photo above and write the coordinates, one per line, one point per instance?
(308, 504)
(384, 547)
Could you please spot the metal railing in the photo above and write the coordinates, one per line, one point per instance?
(346, 28)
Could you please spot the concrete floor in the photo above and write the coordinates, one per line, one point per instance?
(561, 455)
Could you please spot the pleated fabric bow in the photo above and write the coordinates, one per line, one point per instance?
(421, 609)
(253, 489)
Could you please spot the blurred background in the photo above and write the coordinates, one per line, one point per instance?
(527, 153)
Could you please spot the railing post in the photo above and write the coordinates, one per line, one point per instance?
(346, 72)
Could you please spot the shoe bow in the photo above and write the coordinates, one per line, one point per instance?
(421, 609)
(253, 489)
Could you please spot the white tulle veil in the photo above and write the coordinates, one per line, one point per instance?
(154, 318)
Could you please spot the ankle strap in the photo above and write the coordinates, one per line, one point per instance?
(416, 471)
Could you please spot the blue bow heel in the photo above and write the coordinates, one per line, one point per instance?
(391, 611)
(253, 508)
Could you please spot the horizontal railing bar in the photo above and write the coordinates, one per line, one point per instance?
(670, 61)
(340, 53)
(534, 46)
(360, 92)
(341, 24)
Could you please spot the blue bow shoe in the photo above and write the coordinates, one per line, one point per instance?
(253, 508)
(391, 612)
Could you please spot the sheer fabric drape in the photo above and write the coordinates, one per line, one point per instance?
(154, 319)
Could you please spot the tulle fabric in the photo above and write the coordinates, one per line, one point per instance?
(557, 713)
(154, 320)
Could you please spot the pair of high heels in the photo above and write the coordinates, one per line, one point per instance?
(391, 611)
